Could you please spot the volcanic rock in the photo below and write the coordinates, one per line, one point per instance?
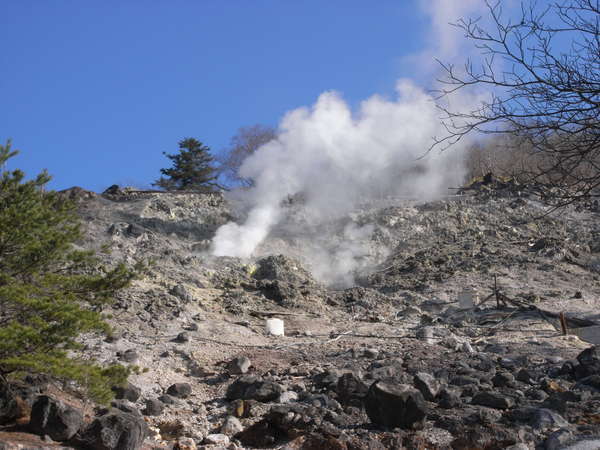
(288, 397)
(393, 406)
(589, 361)
(231, 426)
(351, 389)
(558, 439)
(503, 379)
(125, 406)
(449, 398)
(180, 390)
(127, 392)
(154, 407)
(167, 399)
(249, 387)
(427, 385)
(216, 439)
(282, 268)
(183, 337)
(53, 418)
(239, 365)
(115, 430)
(539, 418)
(129, 355)
(492, 400)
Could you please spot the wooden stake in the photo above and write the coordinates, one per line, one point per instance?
(563, 324)
(496, 292)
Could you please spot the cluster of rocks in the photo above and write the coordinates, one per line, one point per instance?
(391, 362)
(56, 421)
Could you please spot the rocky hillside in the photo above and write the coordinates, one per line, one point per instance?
(394, 360)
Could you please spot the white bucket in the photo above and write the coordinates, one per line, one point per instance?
(275, 327)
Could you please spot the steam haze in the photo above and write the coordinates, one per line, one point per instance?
(337, 158)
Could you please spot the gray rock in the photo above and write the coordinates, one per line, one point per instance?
(249, 387)
(589, 363)
(185, 443)
(463, 380)
(127, 392)
(282, 268)
(323, 401)
(116, 430)
(128, 355)
(288, 397)
(125, 406)
(492, 400)
(351, 389)
(239, 366)
(558, 440)
(539, 418)
(496, 348)
(449, 398)
(590, 383)
(427, 385)
(559, 401)
(391, 406)
(466, 347)
(183, 337)
(526, 376)
(371, 353)
(154, 407)
(536, 394)
(180, 390)
(216, 439)
(327, 379)
(53, 418)
(182, 293)
(167, 399)
(507, 363)
(503, 379)
(231, 426)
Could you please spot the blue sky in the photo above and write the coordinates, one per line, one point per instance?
(95, 91)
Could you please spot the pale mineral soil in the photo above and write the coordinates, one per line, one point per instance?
(421, 257)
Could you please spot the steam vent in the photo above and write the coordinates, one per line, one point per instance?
(300, 225)
(444, 333)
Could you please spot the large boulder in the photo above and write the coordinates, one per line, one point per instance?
(115, 430)
(351, 389)
(589, 363)
(391, 406)
(53, 418)
(282, 268)
(127, 392)
(249, 387)
(427, 384)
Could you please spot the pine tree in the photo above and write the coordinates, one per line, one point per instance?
(192, 169)
(50, 293)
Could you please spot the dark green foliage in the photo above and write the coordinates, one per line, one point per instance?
(192, 169)
(49, 293)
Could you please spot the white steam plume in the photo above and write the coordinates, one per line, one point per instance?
(336, 158)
